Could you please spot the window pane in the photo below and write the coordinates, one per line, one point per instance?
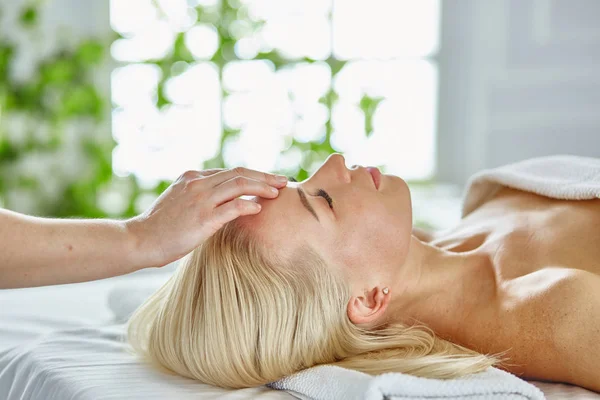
(161, 144)
(295, 28)
(176, 100)
(270, 106)
(385, 28)
(134, 83)
(403, 126)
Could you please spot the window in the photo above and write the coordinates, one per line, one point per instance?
(274, 85)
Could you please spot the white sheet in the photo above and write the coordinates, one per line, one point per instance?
(68, 344)
(59, 342)
(92, 363)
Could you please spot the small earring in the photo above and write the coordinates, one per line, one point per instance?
(385, 290)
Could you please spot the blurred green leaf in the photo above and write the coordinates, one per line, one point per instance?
(102, 160)
(215, 162)
(26, 97)
(180, 50)
(207, 15)
(90, 52)
(58, 72)
(27, 182)
(302, 175)
(273, 56)
(161, 187)
(335, 65)
(29, 17)
(161, 98)
(82, 100)
(7, 151)
(368, 105)
(6, 55)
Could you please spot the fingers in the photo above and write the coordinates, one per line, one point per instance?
(189, 175)
(233, 209)
(209, 172)
(241, 186)
(226, 175)
(195, 174)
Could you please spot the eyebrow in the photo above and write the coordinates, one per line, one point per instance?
(305, 203)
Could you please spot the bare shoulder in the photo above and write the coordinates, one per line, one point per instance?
(577, 332)
(561, 328)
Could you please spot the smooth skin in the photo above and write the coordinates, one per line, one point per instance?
(367, 235)
(519, 274)
(36, 251)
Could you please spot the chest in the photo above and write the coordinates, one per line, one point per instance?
(525, 233)
(542, 250)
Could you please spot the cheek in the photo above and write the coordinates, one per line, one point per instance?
(376, 234)
(378, 239)
(389, 241)
(373, 245)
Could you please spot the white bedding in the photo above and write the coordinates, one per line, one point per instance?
(92, 363)
(61, 343)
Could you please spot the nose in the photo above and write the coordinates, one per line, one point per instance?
(337, 163)
(336, 157)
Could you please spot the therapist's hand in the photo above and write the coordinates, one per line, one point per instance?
(194, 207)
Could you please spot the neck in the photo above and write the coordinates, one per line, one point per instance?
(441, 289)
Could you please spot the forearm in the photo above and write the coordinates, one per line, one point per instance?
(38, 251)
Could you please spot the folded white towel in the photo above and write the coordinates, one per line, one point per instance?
(329, 383)
(561, 177)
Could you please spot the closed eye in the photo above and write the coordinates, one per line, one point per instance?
(320, 192)
(326, 196)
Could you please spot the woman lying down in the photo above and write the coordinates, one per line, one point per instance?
(331, 272)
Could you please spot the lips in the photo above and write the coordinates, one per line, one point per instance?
(376, 175)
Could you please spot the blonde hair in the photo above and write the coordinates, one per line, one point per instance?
(235, 316)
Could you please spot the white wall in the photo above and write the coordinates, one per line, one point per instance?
(518, 79)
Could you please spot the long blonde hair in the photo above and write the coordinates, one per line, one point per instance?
(235, 315)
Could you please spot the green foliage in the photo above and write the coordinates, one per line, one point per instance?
(180, 51)
(369, 105)
(35, 116)
(6, 54)
(90, 52)
(29, 16)
(82, 100)
(61, 91)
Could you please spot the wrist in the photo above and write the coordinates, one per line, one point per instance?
(140, 256)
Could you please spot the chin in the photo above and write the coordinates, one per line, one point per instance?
(394, 182)
(401, 189)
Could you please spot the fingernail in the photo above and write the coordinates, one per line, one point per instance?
(274, 190)
(281, 178)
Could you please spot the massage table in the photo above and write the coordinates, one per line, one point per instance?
(62, 342)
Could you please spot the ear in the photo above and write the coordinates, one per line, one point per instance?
(368, 308)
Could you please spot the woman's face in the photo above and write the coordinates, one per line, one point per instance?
(366, 233)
